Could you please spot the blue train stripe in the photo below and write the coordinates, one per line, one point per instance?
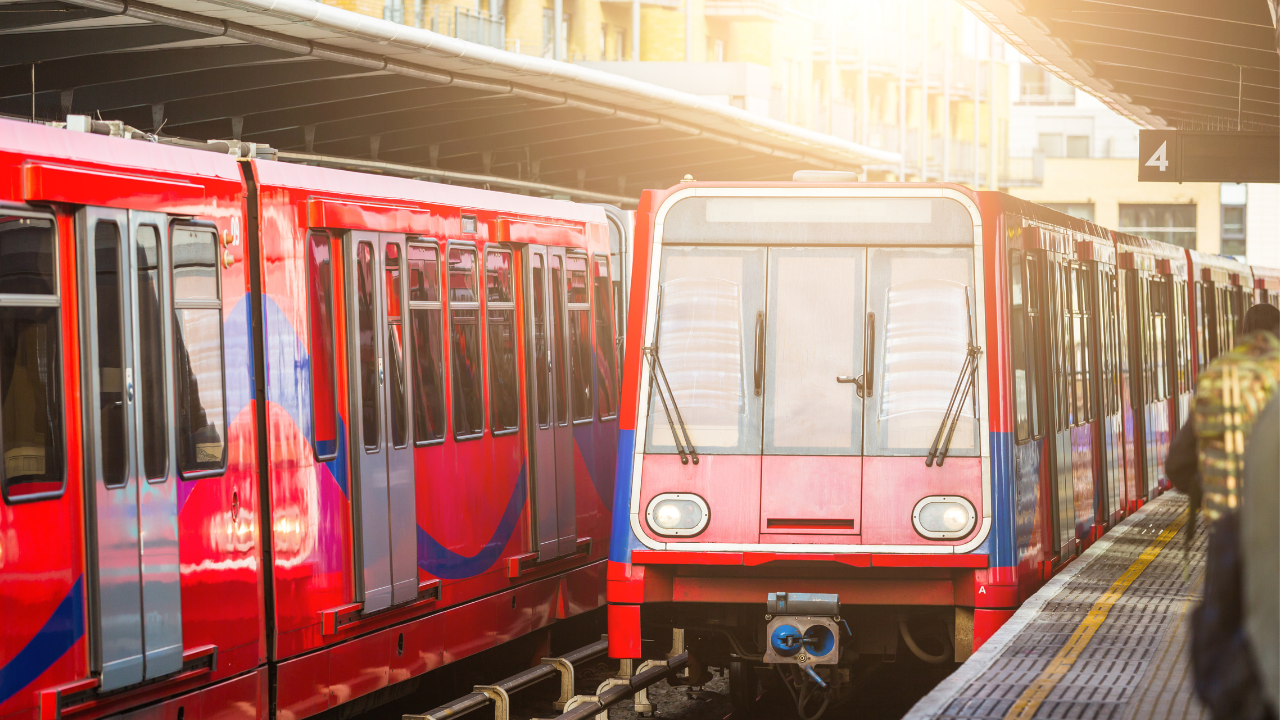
(60, 632)
(442, 562)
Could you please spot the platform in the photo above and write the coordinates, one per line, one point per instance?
(1106, 638)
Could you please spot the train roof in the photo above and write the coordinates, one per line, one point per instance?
(1221, 268)
(1266, 278)
(329, 180)
(34, 140)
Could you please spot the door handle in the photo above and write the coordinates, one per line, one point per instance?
(128, 383)
(849, 379)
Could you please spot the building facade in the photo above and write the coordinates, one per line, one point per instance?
(919, 77)
(1069, 151)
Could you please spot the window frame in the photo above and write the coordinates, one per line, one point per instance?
(478, 306)
(569, 308)
(333, 310)
(483, 267)
(26, 300)
(411, 304)
(222, 339)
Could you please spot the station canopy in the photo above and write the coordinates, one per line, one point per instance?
(325, 85)
(1166, 64)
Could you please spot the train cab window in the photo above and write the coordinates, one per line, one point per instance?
(197, 351)
(606, 348)
(504, 393)
(579, 303)
(464, 322)
(30, 360)
(710, 313)
(426, 318)
(324, 429)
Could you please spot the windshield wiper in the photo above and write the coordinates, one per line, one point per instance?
(658, 377)
(964, 382)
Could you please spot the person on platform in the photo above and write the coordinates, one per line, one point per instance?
(1213, 461)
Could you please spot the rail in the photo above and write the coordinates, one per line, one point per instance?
(572, 705)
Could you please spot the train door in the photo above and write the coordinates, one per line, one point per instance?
(551, 439)
(136, 617)
(384, 509)
(813, 383)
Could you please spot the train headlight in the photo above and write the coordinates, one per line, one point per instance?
(944, 517)
(677, 514)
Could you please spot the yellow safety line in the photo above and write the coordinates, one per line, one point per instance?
(1060, 665)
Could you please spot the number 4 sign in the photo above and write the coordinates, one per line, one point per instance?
(1158, 156)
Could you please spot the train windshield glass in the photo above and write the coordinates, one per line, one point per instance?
(853, 348)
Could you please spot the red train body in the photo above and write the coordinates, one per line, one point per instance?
(274, 434)
(786, 422)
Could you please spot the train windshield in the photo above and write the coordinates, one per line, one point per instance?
(777, 346)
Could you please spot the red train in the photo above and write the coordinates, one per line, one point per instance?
(276, 437)
(864, 419)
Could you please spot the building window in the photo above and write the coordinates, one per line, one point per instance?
(1084, 211)
(393, 10)
(548, 33)
(1234, 197)
(1038, 87)
(604, 41)
(1051, 144)
(620, 46)
(1174, 224)
(1077, 146)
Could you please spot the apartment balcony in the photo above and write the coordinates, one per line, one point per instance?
(768, 10)
(668, 4)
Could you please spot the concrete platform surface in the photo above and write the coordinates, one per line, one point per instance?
(1107, 638)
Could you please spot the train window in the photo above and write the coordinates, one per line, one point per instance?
(464, 321)
(926, 319)
(393, 270)
(579, 336)
(1202, 329)
(197, 351)
(709, 303)
(1018, 347)
(606, 350)
(30, 360)
(557, 337)
(426, 318)
(1035, 352)
(1084, 343)
(504, 393)
(323, 376)
(541, 345)
(1066, 349)
(366, 326)
(151, 332)
(107, 288)
(1159, 299)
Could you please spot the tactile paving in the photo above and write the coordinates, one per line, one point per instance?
(1135, 665)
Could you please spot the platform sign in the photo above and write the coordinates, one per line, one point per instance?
(1208, 156)
(1158, 157)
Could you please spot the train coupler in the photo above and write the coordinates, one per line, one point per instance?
(803, 629)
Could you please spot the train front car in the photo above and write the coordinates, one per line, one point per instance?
(805, 469)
